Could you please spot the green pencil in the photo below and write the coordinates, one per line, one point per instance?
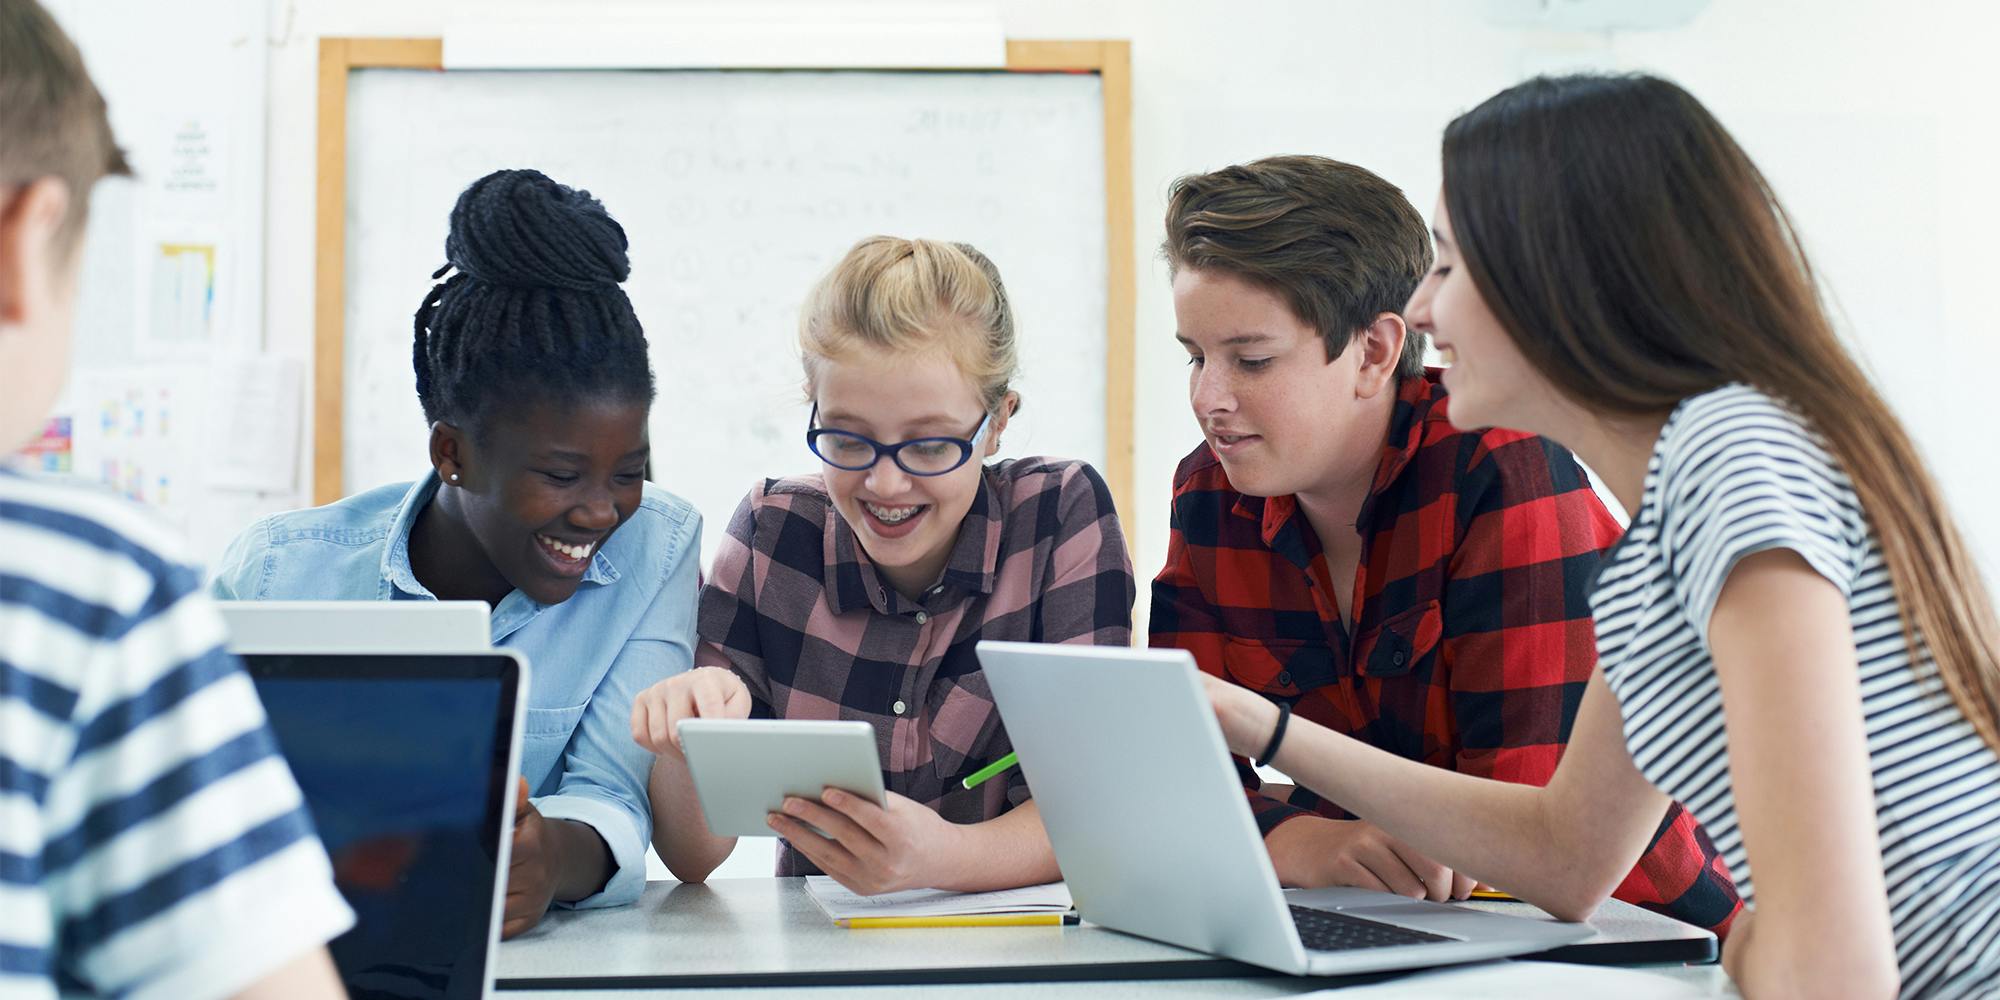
(989, 771)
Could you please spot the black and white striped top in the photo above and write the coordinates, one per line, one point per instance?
(1734, 473)
(153, 844)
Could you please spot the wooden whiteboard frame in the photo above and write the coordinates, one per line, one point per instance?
(1110, 60)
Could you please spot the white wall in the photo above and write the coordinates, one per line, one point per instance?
(1875, 120)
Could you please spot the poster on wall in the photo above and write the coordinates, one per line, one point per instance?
(206, 446)
(137, 431)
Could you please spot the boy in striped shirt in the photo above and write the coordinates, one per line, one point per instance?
(152, 841)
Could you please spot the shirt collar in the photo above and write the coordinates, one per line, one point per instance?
(396, 570)
(1415, 398)
(851, 580)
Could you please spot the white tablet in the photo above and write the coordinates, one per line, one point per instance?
(744, 768)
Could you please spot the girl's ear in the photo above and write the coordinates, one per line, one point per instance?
(449, 449)
(1007, 408)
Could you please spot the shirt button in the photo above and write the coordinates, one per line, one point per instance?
(1284, 677)
(899, 708)
(922, 618)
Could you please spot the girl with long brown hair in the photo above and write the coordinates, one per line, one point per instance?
(1614, 272)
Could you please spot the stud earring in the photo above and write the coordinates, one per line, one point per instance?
(454, 477)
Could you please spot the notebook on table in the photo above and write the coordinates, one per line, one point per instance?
(840, 903)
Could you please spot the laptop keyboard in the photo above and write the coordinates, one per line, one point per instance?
(1326, 930)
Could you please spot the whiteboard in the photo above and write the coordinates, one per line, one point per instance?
(738, 190)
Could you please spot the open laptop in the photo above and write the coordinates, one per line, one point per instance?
(1155, 837)
(356, 626)
(407, 763)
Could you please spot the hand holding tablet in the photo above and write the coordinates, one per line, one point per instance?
(744, 768)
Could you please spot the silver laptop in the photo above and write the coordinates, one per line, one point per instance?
(356, 626)
(1155, 837)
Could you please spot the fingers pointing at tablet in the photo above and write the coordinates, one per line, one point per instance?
(701, 693)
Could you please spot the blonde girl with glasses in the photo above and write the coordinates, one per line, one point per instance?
(857, 592)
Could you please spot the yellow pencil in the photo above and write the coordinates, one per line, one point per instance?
(1492, 894)
(963, 920)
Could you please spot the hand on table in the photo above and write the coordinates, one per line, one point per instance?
(531, 874)
(1313, 852)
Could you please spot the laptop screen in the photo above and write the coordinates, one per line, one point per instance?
(403, 760)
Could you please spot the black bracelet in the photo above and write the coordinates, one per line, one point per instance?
(1277, 735)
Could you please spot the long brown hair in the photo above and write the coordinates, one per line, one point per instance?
(1637, 257)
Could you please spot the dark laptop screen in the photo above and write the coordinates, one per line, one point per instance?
(403, 762)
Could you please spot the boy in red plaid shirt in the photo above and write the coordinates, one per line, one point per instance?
(1338, 545)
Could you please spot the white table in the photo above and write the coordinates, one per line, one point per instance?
(765, 938)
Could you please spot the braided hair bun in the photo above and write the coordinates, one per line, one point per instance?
(534, 310)
(518, 227)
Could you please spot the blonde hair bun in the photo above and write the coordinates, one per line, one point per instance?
(914, 297)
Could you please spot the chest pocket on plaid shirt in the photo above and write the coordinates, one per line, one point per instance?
(964, 724)
(1398, 646)
(1280, 667)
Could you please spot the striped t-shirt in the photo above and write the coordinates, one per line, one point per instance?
(1734, 473)
(152, 841)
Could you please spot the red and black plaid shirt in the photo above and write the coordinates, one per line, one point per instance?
(1472, 639)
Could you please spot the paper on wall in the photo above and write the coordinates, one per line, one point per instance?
(183, 296)
(137, 430)
(253, 415)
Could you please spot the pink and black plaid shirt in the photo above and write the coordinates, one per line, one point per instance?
(796, 609)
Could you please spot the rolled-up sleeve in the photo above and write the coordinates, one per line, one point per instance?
(238, 575)
(604, 772)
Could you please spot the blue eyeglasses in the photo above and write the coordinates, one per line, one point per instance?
(925, 456)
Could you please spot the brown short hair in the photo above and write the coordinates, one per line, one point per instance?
(1339, 244)
(52, 120)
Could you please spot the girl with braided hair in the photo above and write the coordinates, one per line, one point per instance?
(533, 374)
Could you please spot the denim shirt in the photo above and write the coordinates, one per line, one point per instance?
(629, 624)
